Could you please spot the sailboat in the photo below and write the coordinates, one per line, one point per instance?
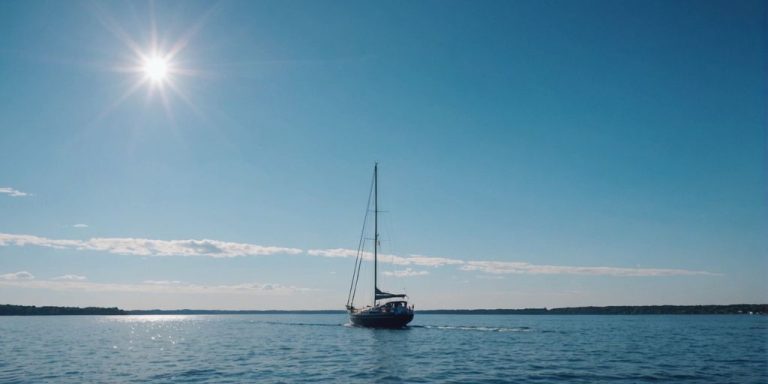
(389, 310)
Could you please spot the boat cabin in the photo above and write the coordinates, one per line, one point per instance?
(395, 307)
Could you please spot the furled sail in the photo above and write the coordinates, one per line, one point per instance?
(386, 295)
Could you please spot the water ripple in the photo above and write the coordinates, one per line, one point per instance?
(436, 348)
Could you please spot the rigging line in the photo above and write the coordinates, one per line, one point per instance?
(358, 256)
(357, 278)
(353, 283)
(356, 275)
(361, 244)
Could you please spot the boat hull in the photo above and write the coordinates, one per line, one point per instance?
(381, 320)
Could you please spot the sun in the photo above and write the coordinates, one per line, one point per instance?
(157, 65)
(155, 68)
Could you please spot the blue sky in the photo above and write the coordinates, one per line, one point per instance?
(532, 153)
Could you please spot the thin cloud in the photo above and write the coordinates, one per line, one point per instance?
(150, 247)
(24, 279)
(80, 226)
(420, 260)
(504, 267)
(17, 276)
(223, 249)
(13, 192)
(429, 261)
(161, 282)
(408, 272)
(70, 278)
(335, 252)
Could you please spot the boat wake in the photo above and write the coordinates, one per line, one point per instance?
(438, 327)
(301, 324)
(474, 328)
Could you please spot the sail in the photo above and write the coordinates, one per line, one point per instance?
(386, 295)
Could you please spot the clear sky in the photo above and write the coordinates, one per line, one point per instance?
(532, 154)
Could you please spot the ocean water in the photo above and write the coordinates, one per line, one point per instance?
(436, 348)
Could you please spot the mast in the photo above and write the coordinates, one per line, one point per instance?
(375, 229)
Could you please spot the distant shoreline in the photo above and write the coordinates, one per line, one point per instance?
(732, 309)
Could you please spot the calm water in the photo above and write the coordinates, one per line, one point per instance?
(437, 348)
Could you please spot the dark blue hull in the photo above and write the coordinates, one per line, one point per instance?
(380, 320)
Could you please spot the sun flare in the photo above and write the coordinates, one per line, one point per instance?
(156, 68)
(156, 65)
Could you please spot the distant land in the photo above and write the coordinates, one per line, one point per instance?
(732, 309)
(31, 310)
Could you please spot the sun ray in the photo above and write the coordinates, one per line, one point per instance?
(130, 91)
(181, 95)
(114, 27)
(167, 108)
(182, 42)
(153, 27)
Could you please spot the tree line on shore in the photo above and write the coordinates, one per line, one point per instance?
(733, 309)
(31, 310)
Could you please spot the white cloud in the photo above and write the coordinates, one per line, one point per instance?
(70, 277)
(335, 252)
(155, 287)
(505, 267)
(490, 277)
(17, 276)
(150, 247)
(80, 226)
(408, 272)
(161, 282)
(223, 249)
(428, 261)
(13, 192)
(420, 260)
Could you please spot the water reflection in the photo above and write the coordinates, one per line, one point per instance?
(152, 318)
(390, 349)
